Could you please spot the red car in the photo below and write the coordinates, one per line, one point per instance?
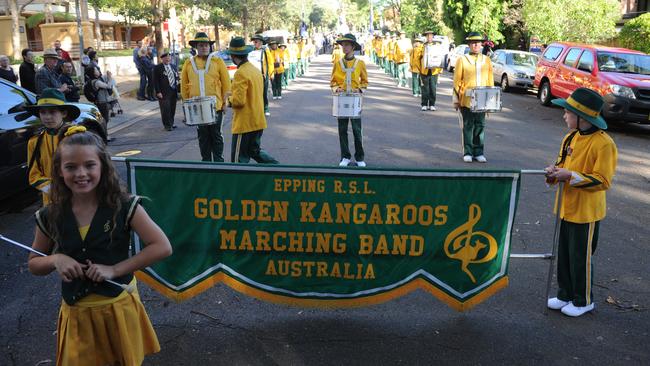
(620, 75)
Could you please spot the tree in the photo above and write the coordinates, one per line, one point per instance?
(130, 10)
(636, 33)
(587, 21)
(423, 16)
(475, 16)
(15, 11)
(98, 5)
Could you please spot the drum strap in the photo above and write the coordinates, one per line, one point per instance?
(478, 67)
(348, 74)
(201, 73)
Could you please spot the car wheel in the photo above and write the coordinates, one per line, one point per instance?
(545, 95)
(504, 83)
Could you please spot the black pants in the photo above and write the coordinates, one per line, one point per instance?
(247, 146)
(150, 91)
(168, 109)
(358, 138)
(265, 93)
(276, 85)
(211, 140)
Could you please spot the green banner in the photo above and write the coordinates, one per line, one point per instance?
(328, 237)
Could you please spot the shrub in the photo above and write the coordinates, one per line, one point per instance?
(636, 34)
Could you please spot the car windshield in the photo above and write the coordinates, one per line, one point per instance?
(12, 100)
(628, 63)
(522, 59)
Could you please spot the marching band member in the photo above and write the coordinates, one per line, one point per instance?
(261, 58)
(431, 56)
(248, 121)
(402, 51)
(587, 163)
(337, 53)
(349, 75)
(206, 75)
(415, 65)
(286, 60)
(293, 56)
(472, 70)
(278, 69)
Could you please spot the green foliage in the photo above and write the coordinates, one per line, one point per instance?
(483, 16)
(131, 10)
(36, 19)
(636, 34)
(587, 21)
(418, 17)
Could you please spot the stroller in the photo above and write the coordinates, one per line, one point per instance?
(114, 97)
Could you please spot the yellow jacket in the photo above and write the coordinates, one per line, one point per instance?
(415, 57)
(40, 174)
(293, 52)
(246, 100)
(301, 46)
(267, 63)
(402, 50)
(217, 80)
(465, 75)
(359, 75)
(591, 158)
(391, 50)
(278, 57)
(337, 54)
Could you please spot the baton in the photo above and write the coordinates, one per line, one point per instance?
(127, 288)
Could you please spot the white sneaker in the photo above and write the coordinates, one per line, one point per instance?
(467, 158)
(481, 159)
(274, 97)
(424, 107)
(280, 97)
(572, 310)
(361, 163)
(267, 113)
(344, 162)
(556, 304)
(432, 108)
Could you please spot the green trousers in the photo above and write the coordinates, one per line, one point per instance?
(211, 140)
(415, 83)
(265, 94)
(299, 68)
(292, 71)
(402, 72)
(574, 266)
(247, 146)
(473, 131)
(358, 138)
(429, 88)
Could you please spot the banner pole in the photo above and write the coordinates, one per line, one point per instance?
(556, 240)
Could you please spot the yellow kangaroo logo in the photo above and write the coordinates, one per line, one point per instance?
(464, 244)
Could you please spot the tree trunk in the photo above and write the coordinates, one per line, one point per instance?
(98, 31)
(84, 10)
(15, 28)
(49, 18)
(244, 21)
(128, 35)
(156, 8)
(216, 36)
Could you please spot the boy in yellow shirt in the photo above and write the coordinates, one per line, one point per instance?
(358, 80)
(586, 163)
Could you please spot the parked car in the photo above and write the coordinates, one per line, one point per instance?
(514, 69)
(459, 51)
(232, 68)
(620, 75)
(17, 126)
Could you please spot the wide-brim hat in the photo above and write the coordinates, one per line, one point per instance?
(258, 37)
(587, 104)
(51, 53)
(200, 37)
(428, 32)
(349, 38)
(54, 98)
(272, 41)
(282, 45)
(475, 37)
(238, 47)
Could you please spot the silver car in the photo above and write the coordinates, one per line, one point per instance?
(514, 69)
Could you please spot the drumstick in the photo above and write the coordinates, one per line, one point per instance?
(127, 288)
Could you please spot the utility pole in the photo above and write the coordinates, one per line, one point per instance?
(81, 35)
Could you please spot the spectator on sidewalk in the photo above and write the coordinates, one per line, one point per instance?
(64, 54)
(72, 95)
(141, 71)
(166, 86)
(144, 55)
(102, 90)
(27, 71)
(6, 72)
(47, 77)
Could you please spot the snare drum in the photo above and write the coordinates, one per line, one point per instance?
(485, 99)
(347, 105)
(200, 111)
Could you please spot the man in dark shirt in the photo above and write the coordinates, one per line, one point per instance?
(47, 77)
(27, 71)
(72, 95)
(6, 72)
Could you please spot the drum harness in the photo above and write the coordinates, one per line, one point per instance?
(348, 74)
(201, 73)
(479, 65)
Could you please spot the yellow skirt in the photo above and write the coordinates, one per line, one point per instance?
(100, 330)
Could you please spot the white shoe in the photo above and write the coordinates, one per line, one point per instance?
(572, 310)
(267, 113)
(467, 158)
(344, 162)
(361, 164)
(274, 97)
(424, 107)
(280, 97)
(432, 108)
(481, 159)
(556, 304)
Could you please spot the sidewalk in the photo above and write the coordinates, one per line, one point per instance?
(133, 109)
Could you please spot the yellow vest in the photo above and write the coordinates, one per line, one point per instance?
(359, 78)
(246, 100)
(465, 76)
(217, 80)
